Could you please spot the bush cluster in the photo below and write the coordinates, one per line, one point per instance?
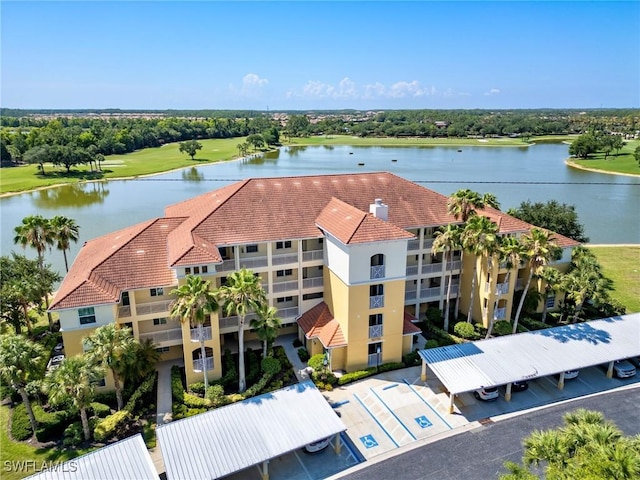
(51, 425)
(431, 343)
(100, 409)
(317, 362)
(503, 327)
(412, 359)
(297, 342)
(197, 388)
(357, 375)
(303, 354)
(141, 397)
(110, 426)
(271, 366)
(177, 389)
(465, 330)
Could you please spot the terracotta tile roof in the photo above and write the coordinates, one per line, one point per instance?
(350, 225)
(319, 323)
(408, 327)
(135, 257)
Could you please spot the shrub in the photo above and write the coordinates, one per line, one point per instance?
(412, 358)
(235, 397)
(230, 376)
(434, 316)
(177, 388)
(141, 396)
(108, 398)
(297, 342)
(215, 395)
(51, 425)
(109, 426)
(317, 362)
(464, 330)
(533, 324)
(357, 375)
(73, 435)
(502, 327)
(432, 343)
(328, 387)
(197, 388)
(303, 354)
(20, 425)
(280, 353)
(386, 367)
(254, 366)
(443, 337)
(271, 366)
(194, 401)
(100, 409)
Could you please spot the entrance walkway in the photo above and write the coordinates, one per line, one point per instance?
(286, 342)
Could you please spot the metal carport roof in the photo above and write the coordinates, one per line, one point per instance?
(229, 439)
(502, 360)
(128, 458)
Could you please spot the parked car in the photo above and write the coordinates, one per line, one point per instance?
(58, 348)
(54, 362)
(520, 386)
(487, 394)
(571, 374)
(623, 369)
(317, 446)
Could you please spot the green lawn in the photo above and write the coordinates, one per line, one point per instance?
(143, 162)
(622, 265)
(623, 163)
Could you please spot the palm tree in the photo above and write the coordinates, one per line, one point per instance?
(143, 361)
(25, 293)
(490, 200)
(109, 347)
(21, 362)
(447, 240)
(553, 281)
(194, 303)
(65, 230)
(35, 231)
(74, 380)
(266, 325)
(239, 296)
(463, 204)
(478, 238)
(540, 248)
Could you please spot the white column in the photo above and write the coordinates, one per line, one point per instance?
(561, 381)
(452, 402)
(423, 372)
(507, 394)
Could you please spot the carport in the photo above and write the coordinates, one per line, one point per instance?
(503, 360)
(223, 441)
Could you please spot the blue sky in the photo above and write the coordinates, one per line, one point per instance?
(320, 55)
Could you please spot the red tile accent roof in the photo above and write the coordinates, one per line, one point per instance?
(350, 225)
(135, 257)
(408, 327)
(318, 322)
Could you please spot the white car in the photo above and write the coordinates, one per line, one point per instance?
(54, 362)
(623, 369)
(571, 374)
(487, 394)
(317, 446)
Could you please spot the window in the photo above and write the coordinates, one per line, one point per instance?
(284, 299)
(377, 260)
(321, 241)
(375, 319)
(551, 301)
(187, 270)
(252, 248)
(196, 270)
(311, 296)
(124, 299)
(163, 349)
(375, 290)
(205, 269)
(156, 292)
(160, 321)
(285, 244)
(223, 253)
(223, 281)
(284, 273)
(128, 325)
(87, 315)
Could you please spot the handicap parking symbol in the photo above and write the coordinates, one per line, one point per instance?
(423, 421)
(368, 441)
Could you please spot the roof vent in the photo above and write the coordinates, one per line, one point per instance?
(379, 209)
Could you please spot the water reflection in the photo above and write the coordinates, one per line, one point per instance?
(72, 195)
(192, 175)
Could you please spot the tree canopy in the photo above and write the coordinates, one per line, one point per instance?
(552, 215)
(190, 147)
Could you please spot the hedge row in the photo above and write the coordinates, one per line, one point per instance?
(140, 397)
(51, 425)
(108, 427)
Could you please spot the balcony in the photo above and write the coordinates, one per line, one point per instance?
(520, 284)
(374, 359)
(427, 243)
(377, 271)
(163, 336)
(375, 331)
(413, 245)
(501, 288)
(312, 255)
(232, 322)
(431, 292)
(253, 262)
(432, 268)
(284, 259)
(412, 270)
(500, 314)
(451, 266)
(206, 334)
(285, 286)
(198, 364)
(153, 307)
(124, 311)
(376, 301)
(288, 313)
(227, 265)
(312, 282)
(411, 295)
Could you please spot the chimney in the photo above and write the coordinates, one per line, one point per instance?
(379, 209)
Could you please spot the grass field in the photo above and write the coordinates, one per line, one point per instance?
(622, 265)
(623, 163)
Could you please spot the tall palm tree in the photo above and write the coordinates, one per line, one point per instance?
(21, 362)
(540, 248)
(65, 230)
(266, 325)
(35, 232)
(447, 240)
(490, 200)
(553, 281)
(143, 361)
(478, 238)
(109, 345)
(463, 204)
(239, 296)
(74, 380)
(194, 303)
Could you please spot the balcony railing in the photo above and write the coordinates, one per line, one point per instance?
(285, 286)
(227, 265)
(430, 292)
(206, 334)
(162, 336)
(227, 322)
(253, 262)
(375, 331)
(456, 265)
(312, 255)
(153, 307)
(501, 288)
(284, 259)
(374, 359)
(427, 243)
(500, 314)
(377, 271)
(376, 301)
(288, 313)
(124, 311)
(410, 295)
(413, 245)
(412, 270)
(432, 268)
(208, 363)
(312, 282)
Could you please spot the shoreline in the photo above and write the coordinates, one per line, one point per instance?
(572, 164)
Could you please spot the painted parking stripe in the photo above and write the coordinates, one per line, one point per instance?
(376, 420)
(427, 403)
(393, 413)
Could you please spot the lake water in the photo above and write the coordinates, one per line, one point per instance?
(606, 204)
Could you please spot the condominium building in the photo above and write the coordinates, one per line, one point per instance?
(346, 259)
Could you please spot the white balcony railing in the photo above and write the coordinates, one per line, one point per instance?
(500, 314)
(455, 265)
(284, 259)
(285, 286)
(377, 271)
(501, 288)
(432, 268)
(413, 245)
(312, 255)
(312, 282)
(375, 331)
(253, 262)
(163, 336)
(198, 364)
(410, 295)
(206, 334)
(430, 292)
(288, 313)
(227, 265)
(376, 301)
(412, 270)
(228, 322)
(374, 359)
(427, 243)
(124, 311)
(153, 307)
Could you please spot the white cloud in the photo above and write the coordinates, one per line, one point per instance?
(252, 86)
(375, 90)
(493, 91)
(406, 89)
